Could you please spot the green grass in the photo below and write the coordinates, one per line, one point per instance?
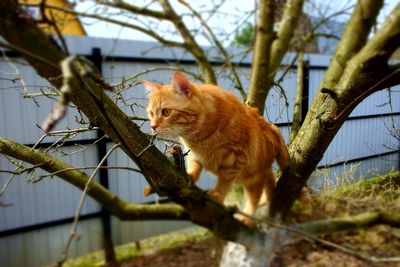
(381, 192)
(154, 244)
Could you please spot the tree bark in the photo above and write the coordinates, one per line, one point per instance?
(330, 108)
(327, 114)
(89, 97)
(360, 25)
(270, 48)
(264, 35)
(190, 43)
(296, 121)
(113, 204)
(287, 26)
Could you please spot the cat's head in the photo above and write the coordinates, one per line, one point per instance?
(173, 108)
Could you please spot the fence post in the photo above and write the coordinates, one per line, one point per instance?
(108, 245)
(306, 90)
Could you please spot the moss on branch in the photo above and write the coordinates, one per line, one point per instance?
(350, 222)
(367, 66)
(360, 24)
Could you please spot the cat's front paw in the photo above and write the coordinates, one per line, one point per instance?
(246, 220)
(193, 176)
(216, 196)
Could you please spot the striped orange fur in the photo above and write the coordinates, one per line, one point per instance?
(225, 136)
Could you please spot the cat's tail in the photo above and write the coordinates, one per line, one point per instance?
(282, 156)
(283, 160)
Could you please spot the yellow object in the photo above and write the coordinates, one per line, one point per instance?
(67, 23)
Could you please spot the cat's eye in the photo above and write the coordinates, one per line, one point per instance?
(166, 112)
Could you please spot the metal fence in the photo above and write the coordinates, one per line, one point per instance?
(35, 219)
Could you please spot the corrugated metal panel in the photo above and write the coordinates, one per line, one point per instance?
(54, 199)
(361, 138)
(42, 247)
(352, 172)
(277, 110)
(47, 200)
(19, 116)
(380, 102)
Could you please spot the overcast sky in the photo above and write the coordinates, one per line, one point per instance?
(221, 23)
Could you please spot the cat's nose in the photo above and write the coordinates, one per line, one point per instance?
(154, 127)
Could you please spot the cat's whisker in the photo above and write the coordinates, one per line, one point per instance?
(167, 134)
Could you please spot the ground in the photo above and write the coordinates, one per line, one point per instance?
(205, 253)
(303, 253)
(378, 241)
(197, 247)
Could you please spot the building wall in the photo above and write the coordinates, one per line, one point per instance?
(67, 23)
(35, 226)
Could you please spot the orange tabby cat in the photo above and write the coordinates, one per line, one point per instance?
(225, 136)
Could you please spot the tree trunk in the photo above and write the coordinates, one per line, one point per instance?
(264, 35)
(87, 93)
(296, 121)
(270, 47)
(332, 106)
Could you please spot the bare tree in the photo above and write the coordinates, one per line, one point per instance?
(360, 67)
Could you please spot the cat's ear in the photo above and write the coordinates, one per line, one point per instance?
(150, 86)
(181, 84)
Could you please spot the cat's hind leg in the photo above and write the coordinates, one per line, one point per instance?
(253, 192)
(221, 189)
(268, 188)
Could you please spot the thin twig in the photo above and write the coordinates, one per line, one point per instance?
(190, 43)
(364, 94)
(72, 131)
(28, 53)
(5, 186)
(73, 233)
(18, 171)
(137, 75)
(151, 143)
(41, 177)
(33, 95)
(148, 32)
(218, 44)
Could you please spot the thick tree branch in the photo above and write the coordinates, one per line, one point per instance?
(367, 68)
(350, 222)
(299, 98)
(146, 31)
(134, 9)
(190, 43)
(360, 24)
(377, 51)
(218, 44)
(264, 36)
(90, 98)
(269, 49)
(115, 205)
(88, 95)
(291, 16)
